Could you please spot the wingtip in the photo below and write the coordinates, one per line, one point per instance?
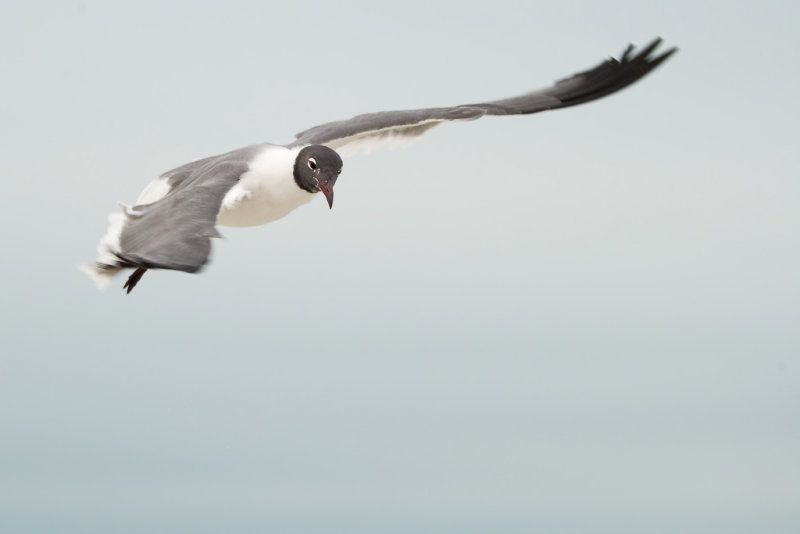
(648, 49)
(645, 54)
(664, 55)
(625, 55)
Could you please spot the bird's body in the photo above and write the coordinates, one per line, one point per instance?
(264, 192)
(176, 215)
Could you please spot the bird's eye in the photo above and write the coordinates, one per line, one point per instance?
(312, 164)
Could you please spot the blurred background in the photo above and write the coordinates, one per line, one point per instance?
(578, 321)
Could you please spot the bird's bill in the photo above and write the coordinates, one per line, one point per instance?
(327, 190)
(326, 186)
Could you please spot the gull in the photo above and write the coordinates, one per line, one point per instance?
(171, 224)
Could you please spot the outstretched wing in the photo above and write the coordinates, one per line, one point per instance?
(606, 78)
(174, 232)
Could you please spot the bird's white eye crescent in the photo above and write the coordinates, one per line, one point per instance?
(312, 164)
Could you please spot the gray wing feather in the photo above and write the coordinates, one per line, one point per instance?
(604, 79)
(175, 231)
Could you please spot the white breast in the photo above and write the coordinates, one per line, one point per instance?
(266, 192)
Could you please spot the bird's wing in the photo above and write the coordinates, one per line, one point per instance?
(390, 126)
(174, 232)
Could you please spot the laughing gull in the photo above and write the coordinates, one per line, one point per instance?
(172, 222)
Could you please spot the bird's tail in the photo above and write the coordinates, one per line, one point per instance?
(101, 273)
(107, 265)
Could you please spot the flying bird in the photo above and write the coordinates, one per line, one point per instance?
(174, 219)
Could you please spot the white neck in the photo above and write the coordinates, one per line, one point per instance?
(266, 192)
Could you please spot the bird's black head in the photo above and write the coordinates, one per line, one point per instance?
(316, 168)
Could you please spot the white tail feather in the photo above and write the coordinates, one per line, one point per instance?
(101, 277)
(104, 270)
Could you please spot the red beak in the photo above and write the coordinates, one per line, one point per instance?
(326, 186)
(328, 192)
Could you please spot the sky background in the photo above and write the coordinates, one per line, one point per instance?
(578, 321)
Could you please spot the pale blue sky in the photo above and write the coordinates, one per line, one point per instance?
(578, 321)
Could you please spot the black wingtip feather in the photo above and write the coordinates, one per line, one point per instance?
(610, 76)
(647, 50)
(625, 53)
